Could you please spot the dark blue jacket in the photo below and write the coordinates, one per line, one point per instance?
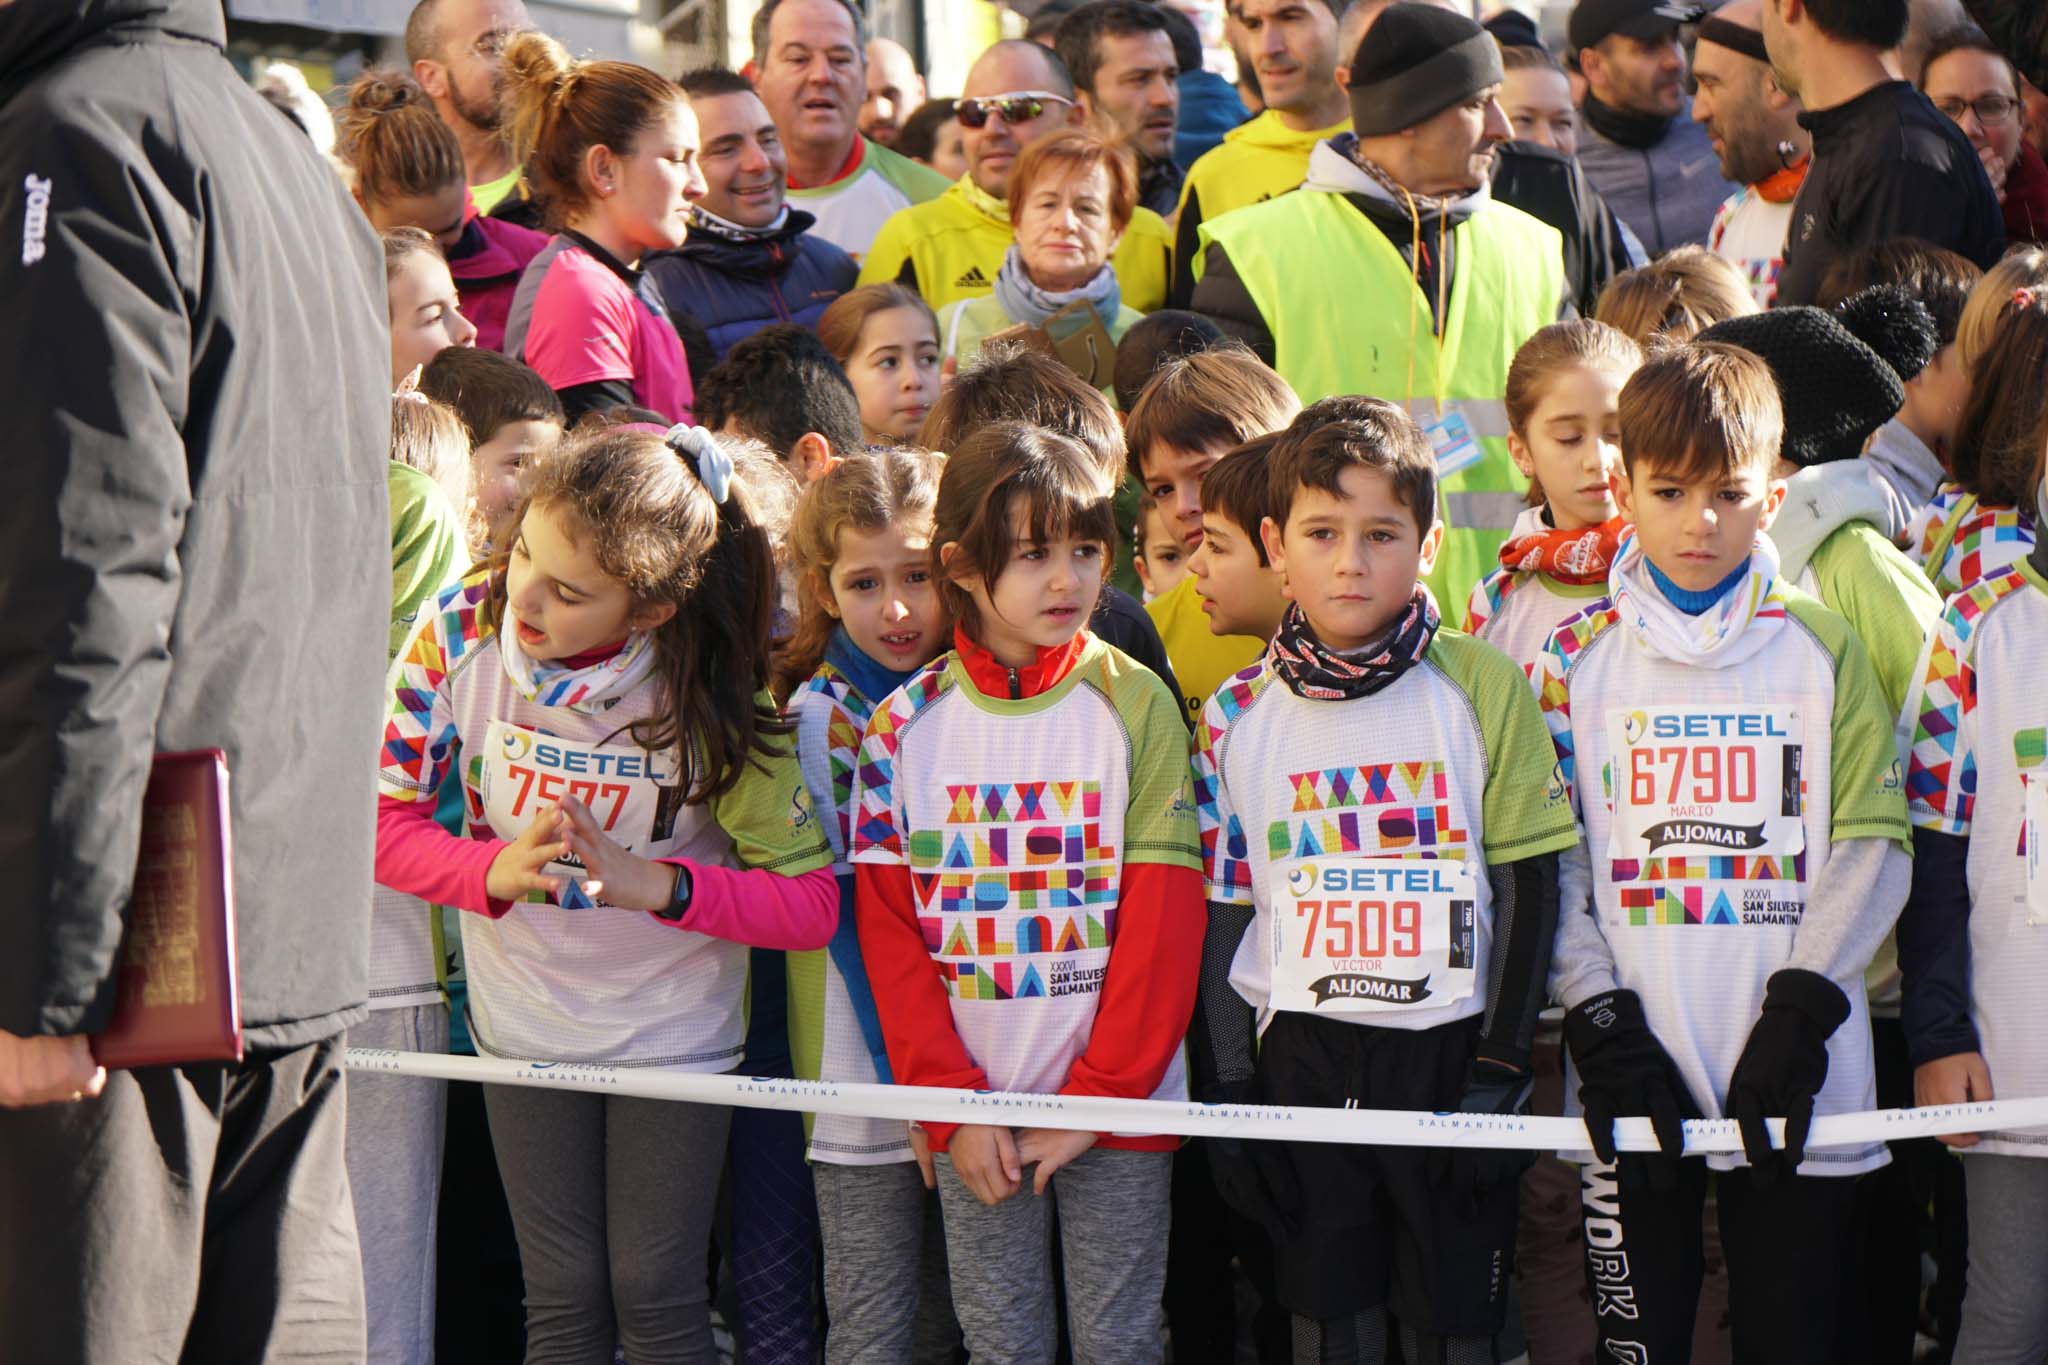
(736, 288)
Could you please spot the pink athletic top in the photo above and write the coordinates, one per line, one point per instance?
(577, 319)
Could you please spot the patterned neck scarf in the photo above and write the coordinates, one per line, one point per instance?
(1576, 557)
(592, 688)
(1318, 673)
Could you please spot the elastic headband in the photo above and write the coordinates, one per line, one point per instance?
(712, 465)
(1733, 36)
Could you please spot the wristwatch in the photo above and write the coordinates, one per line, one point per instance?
(679, 903)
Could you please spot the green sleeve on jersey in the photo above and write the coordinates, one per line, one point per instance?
(1884, 596)
(428, 553)
(1868, 800)
(1159, 820)
(1527, 808)
(769, 814)
(918, 181)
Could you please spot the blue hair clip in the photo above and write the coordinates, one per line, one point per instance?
(706, 456)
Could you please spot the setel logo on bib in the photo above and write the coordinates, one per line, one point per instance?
(1359, 935)
(632, 793)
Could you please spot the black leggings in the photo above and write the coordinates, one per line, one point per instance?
(1791, 1255)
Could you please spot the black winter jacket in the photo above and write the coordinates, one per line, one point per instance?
(194, 539)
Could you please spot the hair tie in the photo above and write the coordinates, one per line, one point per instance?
(412, 396)
(712, 465)
(409, 387)
(832, 462)
(2023, 297)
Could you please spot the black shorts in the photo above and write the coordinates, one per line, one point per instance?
(1376, 1226)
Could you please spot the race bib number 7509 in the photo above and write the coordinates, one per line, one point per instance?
(1364, 935)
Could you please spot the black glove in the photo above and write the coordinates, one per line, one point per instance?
(1470, 1174)
(1253, 1176)
(1783, 1066)
(1623, 1071)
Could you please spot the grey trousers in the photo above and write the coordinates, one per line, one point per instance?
(1114, 1213)
(612, 1199)
(396, 1126)
(887, 1293)
(189, 1214)
(2005, 1308)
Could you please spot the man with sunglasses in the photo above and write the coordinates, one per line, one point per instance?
(455, 48)
(951, 248)
(1886, 162)
(810, 69)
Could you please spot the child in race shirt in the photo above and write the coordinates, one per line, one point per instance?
(1029, 899)
(1372, 750)
(1981, 522)
(635, 817)
(1722, 737)
(611, 149)
(887, 340)
(1973, 940)
(870, 619)
(1160, 556)
(1563, 436)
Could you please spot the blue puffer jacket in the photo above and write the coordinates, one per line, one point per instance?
(735, 288)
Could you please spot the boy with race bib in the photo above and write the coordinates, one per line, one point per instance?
(1380, 826)
(635, 817)
(1723, 739)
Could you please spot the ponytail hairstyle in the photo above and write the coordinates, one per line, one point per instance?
(558, 108)
(1998, 444)
(1580, 343)
(392, 139)
(1991, 300)
(1061, 486)
(651, 522)
(888, 486)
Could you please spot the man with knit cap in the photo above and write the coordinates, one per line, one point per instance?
(1754, 127)
(1400, 210)
(1650, 161)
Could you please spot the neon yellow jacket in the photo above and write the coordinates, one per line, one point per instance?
(951, 247)
(1341, 327)
(1254, 162)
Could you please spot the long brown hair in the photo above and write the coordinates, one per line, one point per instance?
(557, 108)
(393, 140)
(651, 524)
(1999, 436)
(1065, 491)
(1675, 297)
(1561, 346)
(896, 486)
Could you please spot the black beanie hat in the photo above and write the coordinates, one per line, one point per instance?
(1835, 389)
(1892, 321)
(1416, 61)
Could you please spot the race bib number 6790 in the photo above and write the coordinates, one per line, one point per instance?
(1696, 780)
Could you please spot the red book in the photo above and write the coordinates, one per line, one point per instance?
(176, 1000)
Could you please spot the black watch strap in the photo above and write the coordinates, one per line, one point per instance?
(679, 904)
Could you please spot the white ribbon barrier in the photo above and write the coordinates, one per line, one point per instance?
(1384, 1127)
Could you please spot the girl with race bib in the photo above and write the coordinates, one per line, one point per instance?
(1981, 521)
(1028, 902)
(1381, 829)
(870, 618)
(635, 817)
(1563, 436)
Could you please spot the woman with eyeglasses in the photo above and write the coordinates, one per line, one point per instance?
(1071, 198)
(1972, 82)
